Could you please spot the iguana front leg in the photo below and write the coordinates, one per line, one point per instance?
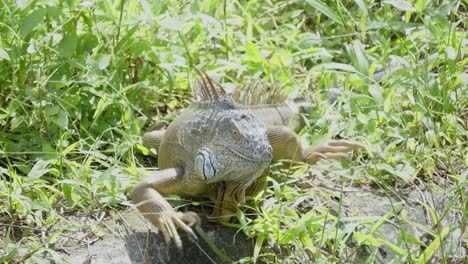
(230, 197)
(148, 199)
(286, 145)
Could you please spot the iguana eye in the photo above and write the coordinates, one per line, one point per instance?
(236, 134)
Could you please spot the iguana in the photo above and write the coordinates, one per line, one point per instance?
(218, 149)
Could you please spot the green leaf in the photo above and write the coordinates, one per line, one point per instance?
(367, 239)
(431, 249)
(31, 21)
(54, 12)
(68, 44)
(258, 246)
(39, 169)
(419, 6)
(325, 10)
(362, 6)
(389, 100)
(334, 66)
(408, 237)
(4, 55)
(102, 104)
(103, 61)
(405, 171)
(253, 52)
(400, 4)
(146, 10)
(52, 110)
(386, 167)
(22, 4)
(60, 119)
(127, 39)
(376, 92)
(281, 59)
(361, 60)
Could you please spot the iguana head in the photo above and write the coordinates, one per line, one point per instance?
(237, 149)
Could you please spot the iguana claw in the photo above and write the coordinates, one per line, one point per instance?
(169, 221)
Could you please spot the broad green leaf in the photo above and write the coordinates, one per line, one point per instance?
(4, 55)
(281, 59)
(88, 42)
(334, 66)
(389, 100)
(22, 4)
(31, 21)
(362, 6)
(386, 167)
(60, 119)
(405, 171)
(400, 4)
(103, 177)
(450, 53)
(320, 6)
(68, 44)
(103, 61)
(52, 109)
(139, 47)
(376, 92)
(70, 148)
(39, 169)
(419, 6)
(146, 10)
(102, 104)
(54, 12)
(361, 60)
(253, 52)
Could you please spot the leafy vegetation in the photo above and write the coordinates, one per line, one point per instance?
(82, 79)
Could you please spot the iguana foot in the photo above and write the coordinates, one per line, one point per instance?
(168, 221)
(157, 210)
(333, 149)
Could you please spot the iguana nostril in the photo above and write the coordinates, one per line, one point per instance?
(264, 152)
(267, 155)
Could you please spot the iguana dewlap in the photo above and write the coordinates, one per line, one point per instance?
(218, 150)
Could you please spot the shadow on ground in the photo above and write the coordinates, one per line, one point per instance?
(130, 239)
(149, 247)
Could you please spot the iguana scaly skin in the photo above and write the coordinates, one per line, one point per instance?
(218, 149)
(211, 150)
